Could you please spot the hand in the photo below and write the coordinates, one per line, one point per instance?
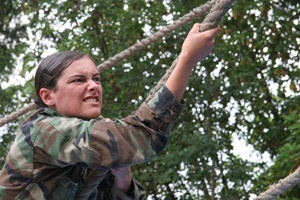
(123, 178)
(198, 45)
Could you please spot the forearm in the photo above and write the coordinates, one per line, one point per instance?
(195, 47)
(178, 80)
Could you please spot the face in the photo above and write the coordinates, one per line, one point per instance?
(78, 92)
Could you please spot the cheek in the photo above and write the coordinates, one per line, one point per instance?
(72, 96)
(77, 91)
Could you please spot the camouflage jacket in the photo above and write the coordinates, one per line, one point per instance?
(54, 157)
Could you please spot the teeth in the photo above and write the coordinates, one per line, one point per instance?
(91, 100)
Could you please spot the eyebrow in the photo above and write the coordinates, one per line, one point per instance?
(82, 76)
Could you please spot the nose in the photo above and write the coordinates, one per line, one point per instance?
(93, 86)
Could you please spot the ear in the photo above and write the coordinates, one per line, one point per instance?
(47, 96)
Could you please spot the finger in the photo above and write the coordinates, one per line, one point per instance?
(214, 31)
(195, 27)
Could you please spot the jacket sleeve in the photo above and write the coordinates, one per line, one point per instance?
(108, 143)
(137, 138)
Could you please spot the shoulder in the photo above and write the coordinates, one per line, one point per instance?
(50, 121)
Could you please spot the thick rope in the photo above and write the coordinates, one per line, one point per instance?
(197, 12)
(216, 14)
(17, 114)
(282, 186)
(131, 50)
(212, 20)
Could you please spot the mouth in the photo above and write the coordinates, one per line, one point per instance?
(91, 99)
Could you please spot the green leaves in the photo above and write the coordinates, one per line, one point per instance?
(287, 160)
(247, 87)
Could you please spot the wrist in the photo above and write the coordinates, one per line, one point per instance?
(186, 61)
(124, 183)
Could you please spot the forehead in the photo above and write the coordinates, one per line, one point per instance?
(83, 66)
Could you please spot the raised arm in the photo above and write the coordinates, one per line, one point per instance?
(196, 46)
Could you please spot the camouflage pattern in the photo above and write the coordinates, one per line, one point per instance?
(54, 157)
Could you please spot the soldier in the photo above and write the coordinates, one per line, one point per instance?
(67, 150)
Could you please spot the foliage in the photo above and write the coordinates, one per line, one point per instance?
(288, 159)
(247, 87)
(12, 45)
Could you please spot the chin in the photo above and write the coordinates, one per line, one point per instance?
(93, 114)
(90, 113)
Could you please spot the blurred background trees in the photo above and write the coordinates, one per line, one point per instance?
(248, 88)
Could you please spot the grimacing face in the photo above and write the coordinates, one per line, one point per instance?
(78, 91)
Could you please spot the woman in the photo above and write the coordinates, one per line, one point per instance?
(66, 150)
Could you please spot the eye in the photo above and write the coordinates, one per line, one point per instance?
(96, 79)
(79, 80)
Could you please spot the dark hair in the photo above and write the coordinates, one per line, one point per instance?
(50, 69)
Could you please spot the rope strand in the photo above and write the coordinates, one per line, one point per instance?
(15, 115)
(218, 8)
(212, 20)
(282, 186)
(197, 12)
